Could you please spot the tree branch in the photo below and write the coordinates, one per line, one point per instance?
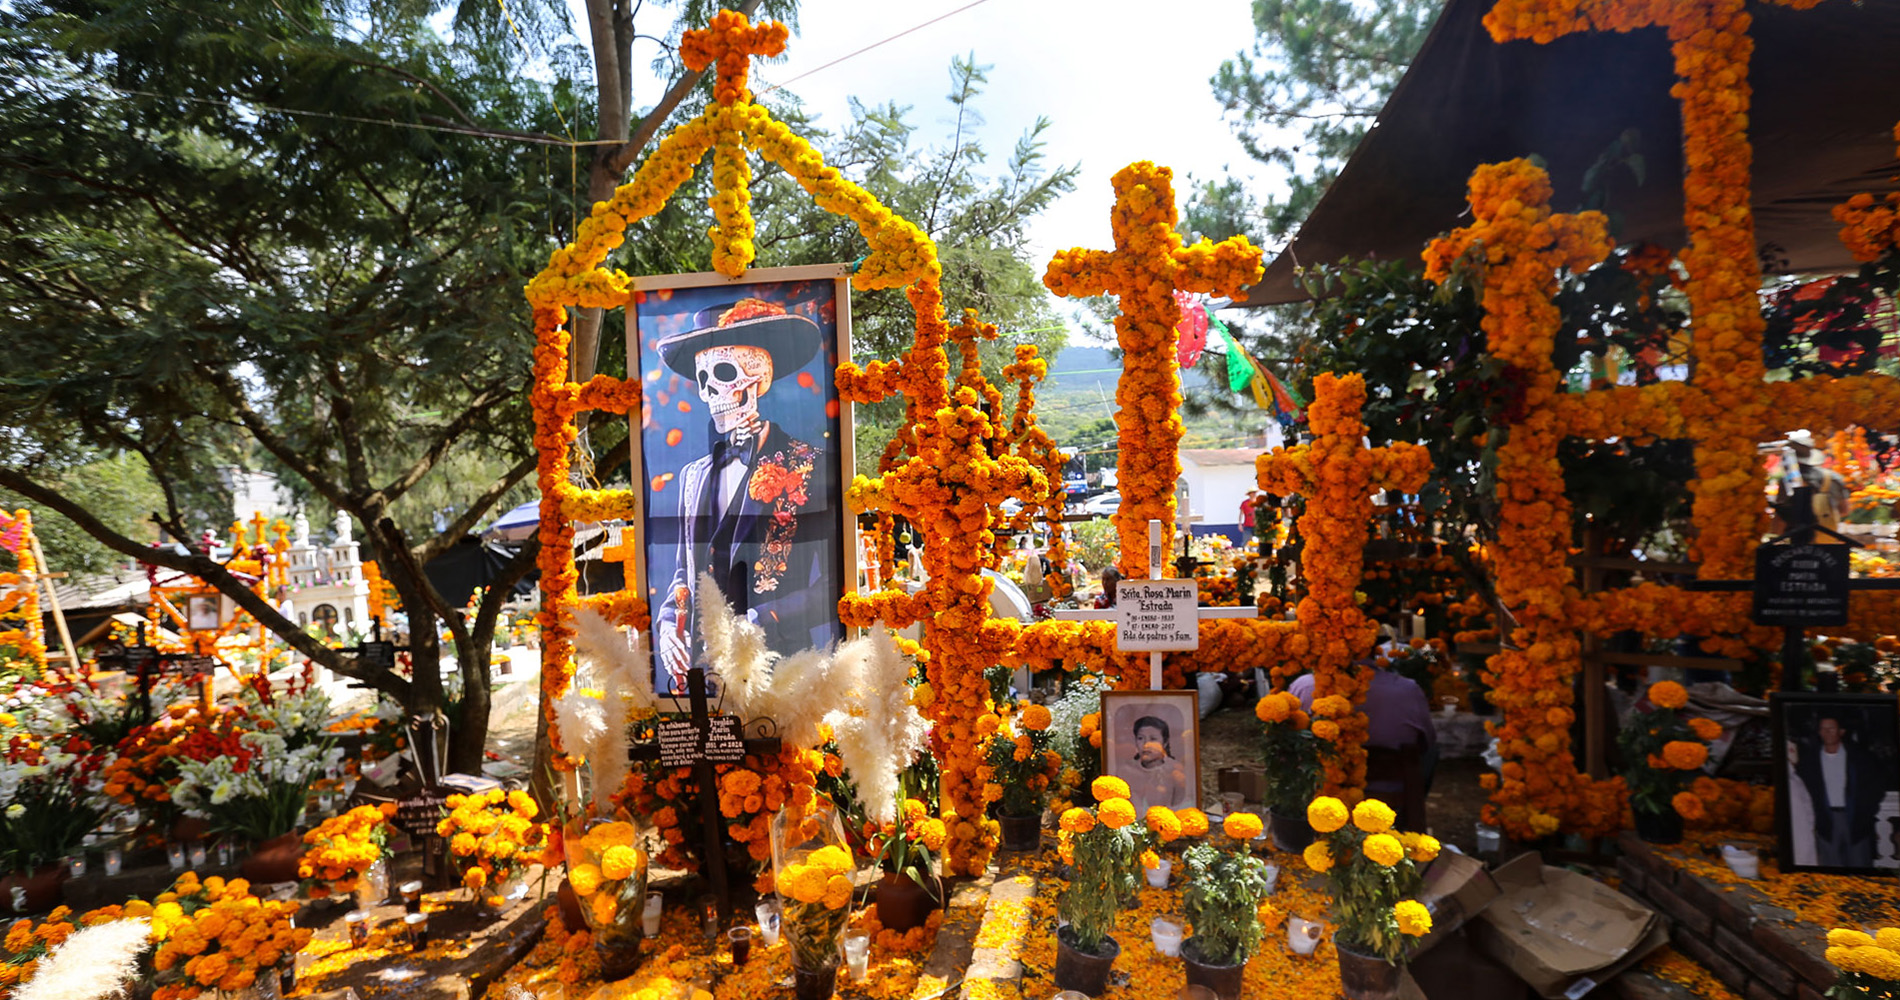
(279, 448)
(453, 430)
(214, 573)
(473, 512)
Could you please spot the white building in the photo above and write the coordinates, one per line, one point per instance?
(326, 582)
(1215, 481)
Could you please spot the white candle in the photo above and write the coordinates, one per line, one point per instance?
(857, 954)
(1418, 625)
(650, 917)
(1167, 937)
(1302, 935)
(1158, 875)
(768, 912)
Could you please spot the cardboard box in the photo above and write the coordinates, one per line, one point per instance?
(1457, 888)
(1561, 932)
(1454, 970)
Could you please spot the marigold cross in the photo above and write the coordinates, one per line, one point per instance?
(1340, 474)
(1148, 264)
(730, 41)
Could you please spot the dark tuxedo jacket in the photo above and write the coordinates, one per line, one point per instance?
(774, 551)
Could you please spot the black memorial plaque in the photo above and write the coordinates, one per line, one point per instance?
(419, 814)
(377, 654)
(679, 743)
(1801, 585)
(725, 743)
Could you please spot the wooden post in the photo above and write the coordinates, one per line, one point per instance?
(1593, 676)
(59, 616)
(712, 850)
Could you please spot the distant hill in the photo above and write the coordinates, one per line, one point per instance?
(1080, 390)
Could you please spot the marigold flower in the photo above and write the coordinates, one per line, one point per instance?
(1036, 718)
(1668, 694)
(1685, 756)
(1326, 814)
(1413, 918)
(1384, 849)
(1164, 823)
(1108, 787)
(1688, 806)
(1242, 826)
(1116, 813)
(1707, 730)
(1318, 856)
(1078, 820)
(1193, 822)
(1373, 816)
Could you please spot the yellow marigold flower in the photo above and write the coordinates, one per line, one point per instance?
(1414, 919)
(1423, 848)
(604, 908)
(1150, 860)
(619, 862)
(1868, 960)
(837, 892)
(1888, 937)
(1668, 694)
(1273, 708)
(475, 878)
(1109, 787)
(1037, 718)
(1683, 755)
(585, 880)
(1164, 823)
(1707, 730)
(1077, 820)
(1373, 816)
(1384, 849)
(1688, 806)
(1193, 822)
(1318, 857)
(1843, 937)
(1326, 814)
(1242, 826)
(1116, 813)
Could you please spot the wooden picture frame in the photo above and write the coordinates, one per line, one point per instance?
(1864, 788)
(786, 575)
(1172, 719)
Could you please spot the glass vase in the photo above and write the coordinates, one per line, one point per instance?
(812, 867)
(373, 887)
(607, 869)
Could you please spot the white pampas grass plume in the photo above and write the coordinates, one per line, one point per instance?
(878, 731)
(801, 691)
(736, 648)
(93, 964)
(613, 678)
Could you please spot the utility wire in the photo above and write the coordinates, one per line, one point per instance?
(858, 52)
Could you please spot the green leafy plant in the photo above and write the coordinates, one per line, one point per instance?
(1662, 751)
(1101, 846)
(1372, 871)
(909, 845)
(1295, 758)
(1020, 760)
(1222, 894)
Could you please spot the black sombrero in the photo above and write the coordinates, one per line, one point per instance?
(791, 339)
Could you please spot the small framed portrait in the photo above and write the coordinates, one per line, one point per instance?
(1837, 793)
(203, 614)
(744, 448)
(1152, 740)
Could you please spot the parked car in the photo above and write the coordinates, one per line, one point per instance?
(1103, 505)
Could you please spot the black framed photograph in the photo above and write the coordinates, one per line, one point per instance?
(1152, 740)
(743, 449)
(1837, 792)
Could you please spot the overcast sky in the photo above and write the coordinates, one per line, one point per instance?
(1118, 80)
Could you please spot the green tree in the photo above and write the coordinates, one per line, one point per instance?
(277, 235)
(1308, 90)
(978, 220)
(118, 490)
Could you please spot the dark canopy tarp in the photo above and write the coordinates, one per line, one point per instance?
(1826, 97)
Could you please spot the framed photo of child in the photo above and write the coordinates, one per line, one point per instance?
(1152, 740)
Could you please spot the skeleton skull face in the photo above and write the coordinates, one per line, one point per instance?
(731, 379)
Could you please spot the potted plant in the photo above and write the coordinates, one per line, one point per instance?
(1100, 845)
(811, 870)
(1372, 871)
(51, 795)
(1295, 759)
(1222, 894)
(909, 889)
(1663, 750)
(1017, 768)
(215, 936)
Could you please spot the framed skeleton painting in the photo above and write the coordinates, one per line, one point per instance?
(743, 447)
